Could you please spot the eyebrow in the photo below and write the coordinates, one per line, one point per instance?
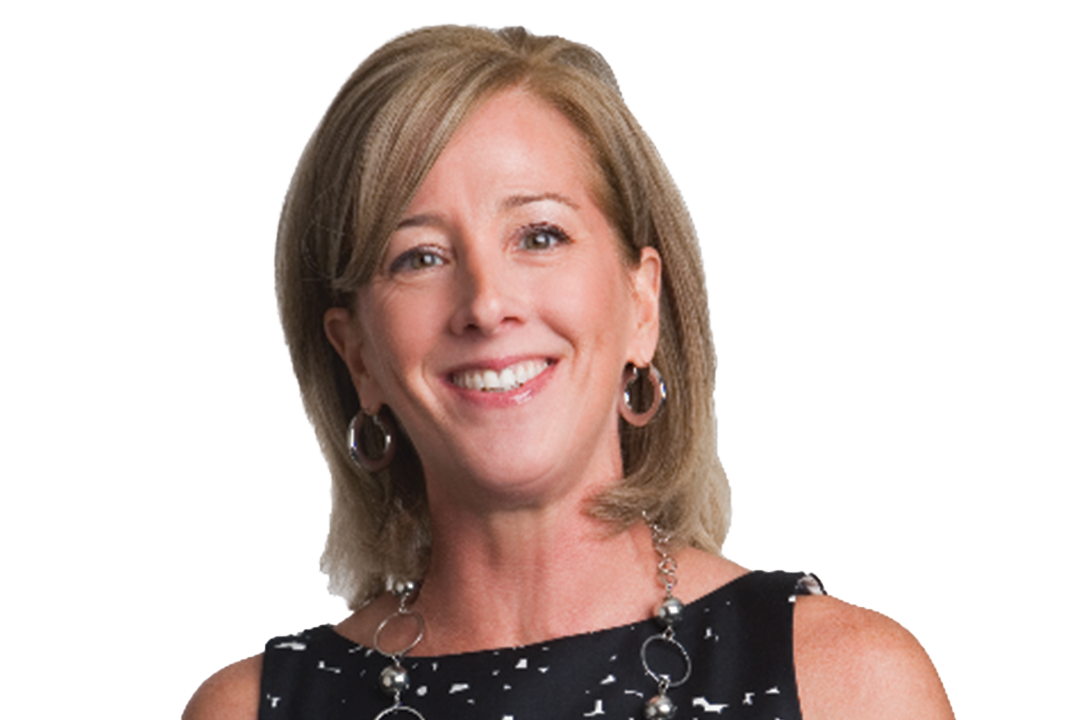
(515, 201)
(422, 220)
(509, 203)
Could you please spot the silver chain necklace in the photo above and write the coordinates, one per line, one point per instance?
(670, 614)
(394, 679)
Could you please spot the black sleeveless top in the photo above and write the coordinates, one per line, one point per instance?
(738, 638)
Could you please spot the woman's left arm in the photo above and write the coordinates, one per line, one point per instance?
(855, 664)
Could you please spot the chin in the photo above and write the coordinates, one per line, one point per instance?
(514, 484)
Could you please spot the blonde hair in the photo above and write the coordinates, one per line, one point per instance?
(373, 148)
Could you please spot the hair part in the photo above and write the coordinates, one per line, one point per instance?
(367, 158)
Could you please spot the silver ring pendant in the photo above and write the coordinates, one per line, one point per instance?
(419, 633)
(666, 681)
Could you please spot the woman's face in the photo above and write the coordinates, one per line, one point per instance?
(502, 314)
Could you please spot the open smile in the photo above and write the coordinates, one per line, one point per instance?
(509, 378)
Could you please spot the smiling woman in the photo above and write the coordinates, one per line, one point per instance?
(479, 255)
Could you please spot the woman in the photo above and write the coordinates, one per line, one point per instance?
(495, 307)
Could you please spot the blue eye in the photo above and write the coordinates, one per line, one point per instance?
(542, 237)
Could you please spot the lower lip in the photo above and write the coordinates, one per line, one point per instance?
(510, 398)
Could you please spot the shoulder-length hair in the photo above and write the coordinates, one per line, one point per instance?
(373, 148)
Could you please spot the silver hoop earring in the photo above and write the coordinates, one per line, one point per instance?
(659, 394)
(386, 439)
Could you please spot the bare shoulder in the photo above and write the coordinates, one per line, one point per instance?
(856, 663)
(231, 693)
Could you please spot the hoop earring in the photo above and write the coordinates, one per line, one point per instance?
(388, 441)
(659, 394)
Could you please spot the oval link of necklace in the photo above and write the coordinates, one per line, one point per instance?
(668, 569)
(664, 679)
(401, 613)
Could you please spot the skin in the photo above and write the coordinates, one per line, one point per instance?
(504, 256)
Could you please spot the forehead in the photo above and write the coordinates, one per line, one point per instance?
(516, 142)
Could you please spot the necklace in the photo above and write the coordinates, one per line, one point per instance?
(670, 614)
(394, 679)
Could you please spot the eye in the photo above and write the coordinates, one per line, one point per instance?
(418, 258)
(542, 237)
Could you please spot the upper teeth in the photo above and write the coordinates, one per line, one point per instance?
(508, 378)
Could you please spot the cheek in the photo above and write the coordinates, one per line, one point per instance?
(393, 336)
(599, 304)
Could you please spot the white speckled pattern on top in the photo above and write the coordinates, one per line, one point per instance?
(739, 638)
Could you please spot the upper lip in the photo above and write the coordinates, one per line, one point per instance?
(496, 364)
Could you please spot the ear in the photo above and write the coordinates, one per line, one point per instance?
(344, 333)
(645, 279)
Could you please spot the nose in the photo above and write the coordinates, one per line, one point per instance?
(487, 297)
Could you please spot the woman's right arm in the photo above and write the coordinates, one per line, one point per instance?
(229, 694)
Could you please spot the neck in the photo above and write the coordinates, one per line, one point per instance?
(521, 577)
